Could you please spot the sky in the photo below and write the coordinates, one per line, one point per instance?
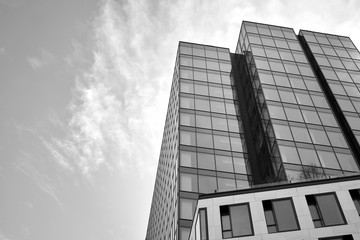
(84, 86)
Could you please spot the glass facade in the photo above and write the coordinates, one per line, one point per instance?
(284, 107)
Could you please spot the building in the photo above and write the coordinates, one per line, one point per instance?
(261, 143)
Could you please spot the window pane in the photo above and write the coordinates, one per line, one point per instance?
(319, 137)
(240, 220)
(289, 154)
(187, 119)
(337, 139)
(300, 134)
(188, 159)
(276, 112)
(285, 215)
(236, 144)
(224, 163)
(308, 157)
(206, 161)
(203, 121)
(188, 182)
(202, 104)
(282, 132)
(293, 114)
(207, 184)
(204, 140)
(187, 208)
(187, 138)
(328, 159)
(226, 184)
(271, 94)
(219, 124)
(221, 142)
(311, 117)
(287, 96)
(347, 162)
(330, 210)
(217, 106)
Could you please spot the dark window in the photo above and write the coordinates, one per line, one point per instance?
(355, 195)
(345, 237)
(236, 221)
(325, 210)
(201, 225)
(280, 215)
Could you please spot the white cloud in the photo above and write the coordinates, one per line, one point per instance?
(43, 60)
(2, 51)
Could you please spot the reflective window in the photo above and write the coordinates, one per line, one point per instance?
(289, 154)
(224, 163)
(204, 140)
(266, 77)
(206, 161)
(214, 77)
(188, 159)
(281, 80)
(236, 144)
(293, 114)
(216, 91)
(212, 64)
(347, 162)
(328, 159)
(217, 106)
(219, 124)
(319, 137)
(187, 208)
(310, 116)
(200, 75)
(271, 94)
(281, 43)
(272, 53)
(186, 102)
(280, 215)
(355, 195)
(233, 125)
(337, 139)
(354, 122)
(319, 101)
(201, 89)
(226, 184)
(188, 182)
(276, 112)
(276, 65)
(187, 138)
(308, 157)
(325, 210)
(286, 55)
(186, 87)
(297, 82)
(236, 221)
(221, 142)
(202, 104)
(207, 184)
(203, 121)
(282, 132)
(300, 134)
(239, 165)
(291, 68)
(287, 96)
(303, 99)
(187, 119)
(328, 119)
(199, 62)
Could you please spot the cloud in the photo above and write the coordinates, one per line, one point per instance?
(3, 237)
(2, 51)
(45, 59)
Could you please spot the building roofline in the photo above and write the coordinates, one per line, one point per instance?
(205, 45)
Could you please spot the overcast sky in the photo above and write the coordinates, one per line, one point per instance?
(84, 86)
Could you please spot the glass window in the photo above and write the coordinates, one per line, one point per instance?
(258, 50)
(310, 116)
(328, 159)
(328, 50)
(187, 119)
(299, 57)
(217, 106)
(225, 66)
(341, 52)
(199, 62)
(266, 77)
(354, 122)
(319, 137)
(254, 39)
(202, 227)
(206, 161)
(319, 101)
(294, 45)
(286, 55)
(236, 144)
(184, 233)
(226, 184)
(329, 73)
(214, 77)
(221, 142)
(203, 121)
(297, 82)
(352, 90)
(224, 163)
(200, 75)
(343, 75)
(198, 50)
(337, 88)
(211, 53)
(282, 131)
(267, 41)
(204, 140)
(230, 108)
(271, 94)
(276, 112)
(233, 125)
(346, 105)
(328, 119)
(335, 62)
(355, 195)
(325, 210)
(219, 124)
(185, 61)
(201, 89)
(272, 53)
(202, 104)
(276, 65)
(188, 182)
(347, 162)
(212, 64)
(262, 63)
(281, 80)
(280, 215)
(308, 157)
(216, 91)
(289, 154)
(337, 139)
(303, 99)
(239, 165)
(300, 134)
(287, 96)
(187, 208)
(236, 221)
(315, 48)
(207, 184)
(312, 84)
(305, 70)
(187, 138)
(281, 43)
(186, 73)
(293, 114)
(185, 49)
(186, 87)
(321, 60)
(291, 68)
(188, 159)
(228, 93)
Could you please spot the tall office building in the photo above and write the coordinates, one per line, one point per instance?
(262, 143)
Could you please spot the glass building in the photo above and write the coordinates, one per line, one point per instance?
(283, 109)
